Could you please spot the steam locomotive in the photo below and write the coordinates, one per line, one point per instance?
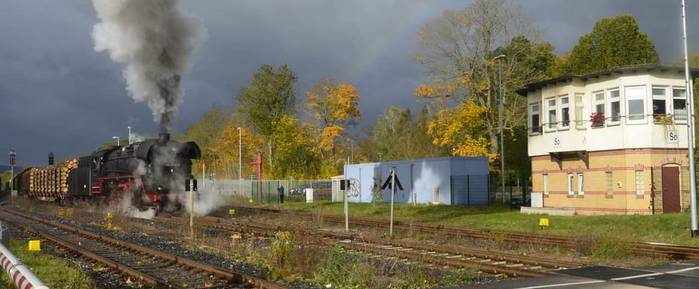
(147, 174)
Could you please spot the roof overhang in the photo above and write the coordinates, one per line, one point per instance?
(634, 69)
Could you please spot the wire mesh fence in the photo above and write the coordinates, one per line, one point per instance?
(271, 190)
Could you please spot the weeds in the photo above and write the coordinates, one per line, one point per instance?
(610, 249)
(344, 270)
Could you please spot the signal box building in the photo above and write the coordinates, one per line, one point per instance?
(611, 142)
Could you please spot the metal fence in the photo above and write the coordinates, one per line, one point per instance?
(267, 190)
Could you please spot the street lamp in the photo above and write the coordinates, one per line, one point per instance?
(129, 134)
(12, 156)
(690, 131)
(501, 111)
(117, 139)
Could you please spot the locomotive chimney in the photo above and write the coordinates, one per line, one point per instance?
(50, 159)
(164, 137)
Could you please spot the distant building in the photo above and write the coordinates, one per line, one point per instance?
(447, 180)
(611, 142)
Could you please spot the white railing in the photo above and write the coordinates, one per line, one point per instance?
(20, 275)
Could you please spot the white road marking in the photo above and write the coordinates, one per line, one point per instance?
(563, 284)
(613, 279)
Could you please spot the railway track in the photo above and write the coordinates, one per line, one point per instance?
(639, 248)
(154, 268)
(457, 257)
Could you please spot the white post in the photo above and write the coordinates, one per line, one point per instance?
(191, 209)
(203, 175)
(690, 130)
(130, 142)
(393, 192)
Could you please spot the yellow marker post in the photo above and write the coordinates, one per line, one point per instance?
(543, 223)
(231, 212)
(34, 245)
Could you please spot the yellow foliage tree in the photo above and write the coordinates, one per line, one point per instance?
(334, 107)
(224, 154)
(461, 130)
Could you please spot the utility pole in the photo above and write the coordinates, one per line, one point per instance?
(690, 130)
(12, 156)
(501, 113)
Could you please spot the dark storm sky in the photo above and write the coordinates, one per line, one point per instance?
(58, 95)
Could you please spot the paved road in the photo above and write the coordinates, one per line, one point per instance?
(678, 275)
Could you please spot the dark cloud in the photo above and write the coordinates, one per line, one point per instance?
(59, 95)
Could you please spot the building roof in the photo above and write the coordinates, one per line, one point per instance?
(630, 69)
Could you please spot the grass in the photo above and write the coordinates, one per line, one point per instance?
(668, 228)
(56, 273)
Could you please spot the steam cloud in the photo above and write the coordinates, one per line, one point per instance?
(155, 41)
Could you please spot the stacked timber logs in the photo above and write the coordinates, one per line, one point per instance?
(52, 181)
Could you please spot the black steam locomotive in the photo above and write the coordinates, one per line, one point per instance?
(147, 174)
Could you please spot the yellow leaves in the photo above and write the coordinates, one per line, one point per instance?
(423, 91)
(461, 129)
(438, 88)
(328, 137)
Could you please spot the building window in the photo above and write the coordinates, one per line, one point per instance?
(579, 106)
(535, 119)
(635, 99)
(659, 102)
(571, 179)
(639, 182)
(614, 105)
(581, 184)
(610, 183)
(599, 102)
(565, 112)
(552, 113)
(679, 104)
(546, 184)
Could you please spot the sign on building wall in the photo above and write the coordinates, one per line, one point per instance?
(671, 136)
(556, 142)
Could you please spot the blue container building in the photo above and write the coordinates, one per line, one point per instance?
(446, 180)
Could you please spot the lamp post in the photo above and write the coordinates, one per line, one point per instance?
(129, 134)
(690, 130)
(501, 112)
(117, 139)
(12, 156)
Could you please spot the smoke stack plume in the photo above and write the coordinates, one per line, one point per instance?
(155, 41)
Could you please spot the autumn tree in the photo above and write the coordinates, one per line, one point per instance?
(458, 51)
(207, 129)
(461, 130)
(397, 134)
(224, 153)
(267, 99)
(334, 107)
(614, 41)
(297, 154)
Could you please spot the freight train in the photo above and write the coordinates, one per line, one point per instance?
(147, 174)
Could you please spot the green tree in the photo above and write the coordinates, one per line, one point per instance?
(614, 41)
(267, 99)
(398, 135)
(207, 129)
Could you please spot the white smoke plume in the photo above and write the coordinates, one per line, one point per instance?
(155, 41)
